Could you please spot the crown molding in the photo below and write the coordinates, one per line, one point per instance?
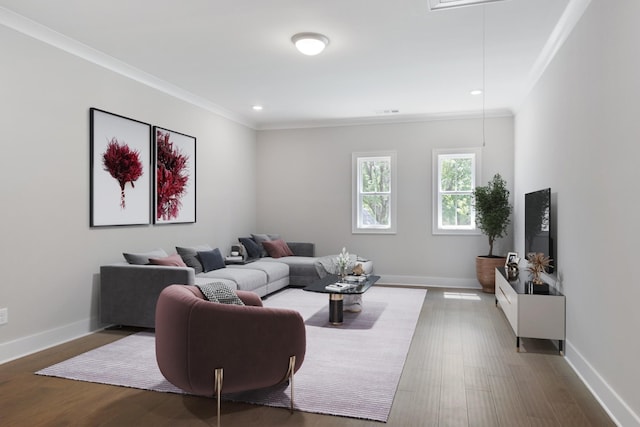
(567, 22)
(46, 35)
(377, 120)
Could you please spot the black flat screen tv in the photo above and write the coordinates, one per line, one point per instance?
(538, 224)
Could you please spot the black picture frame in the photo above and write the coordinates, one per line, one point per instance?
(120, 170)
(175, 177)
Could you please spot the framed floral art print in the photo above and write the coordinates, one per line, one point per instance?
(175, 177)
(120, 170)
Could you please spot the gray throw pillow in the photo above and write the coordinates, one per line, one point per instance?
(211, 260)
(219, 292)
(190, 256)
(259, 238)
(253, 249)
(142, 258)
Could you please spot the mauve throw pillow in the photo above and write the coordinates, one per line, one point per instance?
(172, 260)
(277, 248)
(253, 250)
(211, 260)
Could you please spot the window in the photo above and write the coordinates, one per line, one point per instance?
(455, 173)
(374, 183)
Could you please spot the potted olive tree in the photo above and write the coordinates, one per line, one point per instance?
(493, 213)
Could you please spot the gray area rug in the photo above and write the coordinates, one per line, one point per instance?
(350, 370)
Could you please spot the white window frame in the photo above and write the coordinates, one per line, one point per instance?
(475, 153)
(356, 227)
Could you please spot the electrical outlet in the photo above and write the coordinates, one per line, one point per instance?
(4, 316)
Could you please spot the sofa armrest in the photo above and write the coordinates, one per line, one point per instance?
(128, 293)
(302, 248)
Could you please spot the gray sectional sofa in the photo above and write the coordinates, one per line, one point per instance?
(129, 291)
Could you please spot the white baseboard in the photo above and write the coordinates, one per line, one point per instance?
(25, 346)
(438, 282)
(612, 403)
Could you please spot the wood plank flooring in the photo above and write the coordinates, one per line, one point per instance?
(462, 370)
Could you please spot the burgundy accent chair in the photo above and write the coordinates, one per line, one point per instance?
(197, 341)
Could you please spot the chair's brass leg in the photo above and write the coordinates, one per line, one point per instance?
(217, 387)
(292, 367)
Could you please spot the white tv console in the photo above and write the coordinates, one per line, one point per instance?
(533, 311)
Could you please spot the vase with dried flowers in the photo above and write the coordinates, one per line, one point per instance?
(342, 261)
(538, 264)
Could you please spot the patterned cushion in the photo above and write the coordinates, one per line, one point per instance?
(219, 292)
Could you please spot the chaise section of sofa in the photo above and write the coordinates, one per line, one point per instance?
(301, 265)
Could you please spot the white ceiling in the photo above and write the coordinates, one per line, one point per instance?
(383, 54)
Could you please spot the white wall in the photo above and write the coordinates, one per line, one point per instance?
(578, 134)
(49, 256)
(304, 193)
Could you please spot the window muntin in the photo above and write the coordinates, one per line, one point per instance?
(374, 198)
(455, 173)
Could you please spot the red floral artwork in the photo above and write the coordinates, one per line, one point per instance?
(123, 164)
(171, 175)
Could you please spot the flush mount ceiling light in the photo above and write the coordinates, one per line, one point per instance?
(448, 4)
(310, 43)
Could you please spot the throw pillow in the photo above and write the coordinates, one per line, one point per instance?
(142, 258)
(261, 238)
(211, 260)
(172, 260)
(219, 292)
(253, 250)
(190, 256)
(277, 248)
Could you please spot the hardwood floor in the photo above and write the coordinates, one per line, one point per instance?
(462, 370)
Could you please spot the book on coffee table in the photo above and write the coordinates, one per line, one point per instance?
(338, 286)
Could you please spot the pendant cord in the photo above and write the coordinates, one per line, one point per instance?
(484, 25)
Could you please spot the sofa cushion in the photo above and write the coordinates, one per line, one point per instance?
(172, 260)
(247, 279)
(277, 248)
(298, 265)
(202, 280)
(142, 258)
(219, 292)
(253, 250)
(211, 260)
(274, 270)
(190, 256)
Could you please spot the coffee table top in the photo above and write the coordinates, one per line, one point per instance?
(357, 288)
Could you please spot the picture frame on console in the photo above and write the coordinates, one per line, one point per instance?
(175, 177)
(120, 170)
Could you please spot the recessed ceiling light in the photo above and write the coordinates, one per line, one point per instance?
(257, 107)
(310, 43)
(476, 92)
